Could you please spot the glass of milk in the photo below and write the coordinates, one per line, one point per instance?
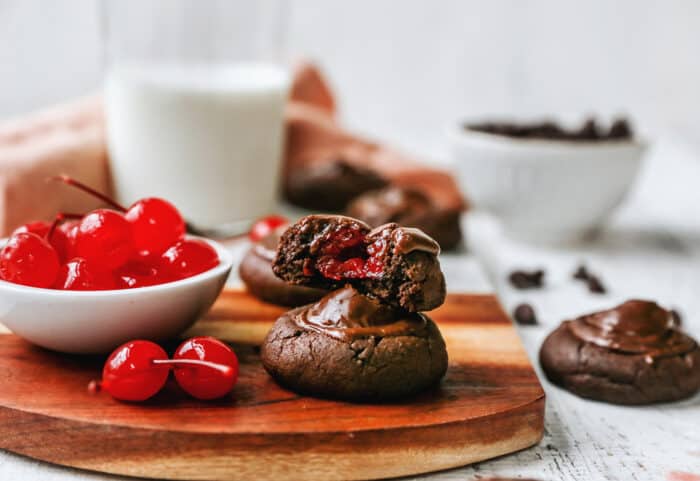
(195, 93)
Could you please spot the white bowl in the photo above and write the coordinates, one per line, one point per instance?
(92, 322)
(544, 190)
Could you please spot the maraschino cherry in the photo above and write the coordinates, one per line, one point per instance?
(263, 227)
(104, 236)
(63, 239)
(131, 373)
(79, 274)
(203, 382)
(53, 233)
(39, 228)
(188, 258)
(156, 225)
(204, 367)
(139, 273)
(29, 260)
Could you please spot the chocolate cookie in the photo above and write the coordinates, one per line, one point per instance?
(255, 271)
(632, 354)
(329, 186)
(351, 347)
(409, 208)
(397, 265)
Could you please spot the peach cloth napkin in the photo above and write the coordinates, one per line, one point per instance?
(67, 139)
(70, 139)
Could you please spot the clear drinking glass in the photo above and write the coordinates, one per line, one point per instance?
(195, 92)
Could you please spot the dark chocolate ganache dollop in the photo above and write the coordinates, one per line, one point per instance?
(346, 314)
(634, 327)
(406, 239)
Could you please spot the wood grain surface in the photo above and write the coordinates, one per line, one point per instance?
(490, 403)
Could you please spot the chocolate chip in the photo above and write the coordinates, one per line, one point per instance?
(527, 279)
(676, 317)
(594, 285)
(581, 273)
(593, 282)
(620, 129)
(589, 130)
(524, 314)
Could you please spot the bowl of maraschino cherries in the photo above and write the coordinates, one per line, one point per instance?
(85, 283)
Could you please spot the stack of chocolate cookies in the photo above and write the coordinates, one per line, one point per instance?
(367, 339)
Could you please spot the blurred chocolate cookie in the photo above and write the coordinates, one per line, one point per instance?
(632, 354)
(329, 186)
(256, 273)
(409, 208)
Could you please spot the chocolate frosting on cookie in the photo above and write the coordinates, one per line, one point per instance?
(407, 239)
(346, 314)
(634, 327)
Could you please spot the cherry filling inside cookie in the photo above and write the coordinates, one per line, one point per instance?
(346, 253)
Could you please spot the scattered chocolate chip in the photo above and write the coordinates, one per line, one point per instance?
(677, 319)
(581, 273)
(594, 285)
(527, 279)
(593, 282)
(524, 314)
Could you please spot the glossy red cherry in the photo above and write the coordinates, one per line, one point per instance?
(156, 225)
(139, 273)
(130, 373)
(57, 237)
(263, 227)
(39, 228)
(188, 258)
(205, 381)
(29, 260)
(81, 275)
(63, 239)
(104, 237)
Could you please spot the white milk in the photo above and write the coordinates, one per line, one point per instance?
(207, 138)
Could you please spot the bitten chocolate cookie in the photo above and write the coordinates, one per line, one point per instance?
(329, 186)
(351, 347)
(410, 208)
(255, 271)
(397, 265)
(631, 354)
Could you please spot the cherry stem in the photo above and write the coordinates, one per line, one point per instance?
(79, 185)
(60, 217)
(222, 368)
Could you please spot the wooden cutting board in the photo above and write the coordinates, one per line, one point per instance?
(489, 404)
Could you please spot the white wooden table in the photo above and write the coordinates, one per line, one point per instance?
(650, 249)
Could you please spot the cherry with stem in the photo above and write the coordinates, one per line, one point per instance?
(139, 369)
